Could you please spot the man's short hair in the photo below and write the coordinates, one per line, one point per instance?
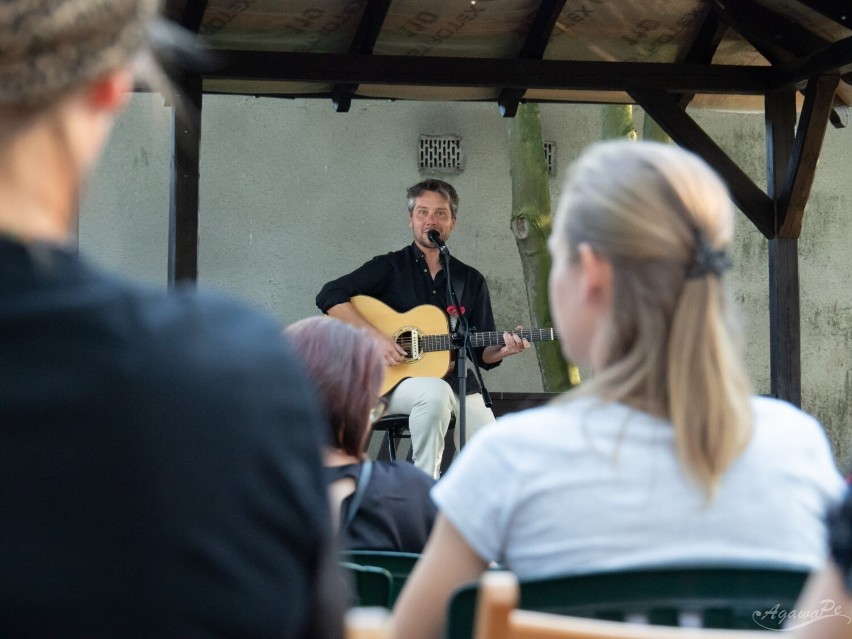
(445, 189)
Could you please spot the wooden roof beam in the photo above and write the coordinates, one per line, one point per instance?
(533, 48)
(707, 40)
(840, 12)
(193, 15)
(704, 46)
(774, 36)
(835, 57)
(790, 207)
(439, 71)
(751, 200)
(363, 42)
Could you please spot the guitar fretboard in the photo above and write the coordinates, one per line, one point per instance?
(488, 338)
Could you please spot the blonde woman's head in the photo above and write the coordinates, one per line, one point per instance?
(640, 245)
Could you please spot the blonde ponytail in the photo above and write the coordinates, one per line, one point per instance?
(664, 220)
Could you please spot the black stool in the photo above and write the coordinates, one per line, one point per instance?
(395, 427)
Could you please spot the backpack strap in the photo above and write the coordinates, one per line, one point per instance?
(358, 495)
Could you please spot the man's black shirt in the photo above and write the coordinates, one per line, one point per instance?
(401, 280)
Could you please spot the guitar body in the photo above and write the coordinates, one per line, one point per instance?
(424, 333)
(406, 329)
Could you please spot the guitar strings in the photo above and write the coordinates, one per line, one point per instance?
(432, 340)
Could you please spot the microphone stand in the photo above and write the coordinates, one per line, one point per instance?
(461, 338)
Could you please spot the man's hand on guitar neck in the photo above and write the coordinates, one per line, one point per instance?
(512, 345)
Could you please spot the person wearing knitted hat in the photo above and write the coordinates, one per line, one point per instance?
(154, 479)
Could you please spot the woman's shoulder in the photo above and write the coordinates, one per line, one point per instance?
(562, 428)
(562, 414)
(779, 416)
(791, 436)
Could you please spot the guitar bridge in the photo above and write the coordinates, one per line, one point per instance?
(409, 338)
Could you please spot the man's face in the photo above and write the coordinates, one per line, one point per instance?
(431, 211)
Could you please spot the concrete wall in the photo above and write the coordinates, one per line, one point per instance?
(124, 214)
(293, 194)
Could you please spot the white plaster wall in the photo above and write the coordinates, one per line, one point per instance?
(124, 213)
(825, 270)
(294, 194)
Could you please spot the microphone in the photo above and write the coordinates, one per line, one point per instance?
(435, 238)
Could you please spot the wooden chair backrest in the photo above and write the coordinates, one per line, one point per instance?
(497, 617)
(739, 598)
(367, 623)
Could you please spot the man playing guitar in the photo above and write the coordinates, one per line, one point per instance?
(411, 277)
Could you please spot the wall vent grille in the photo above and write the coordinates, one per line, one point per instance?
(550, 157)
(442, 153)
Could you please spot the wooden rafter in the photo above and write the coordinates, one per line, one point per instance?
(363, 42)
(704, 46)
(193, 14)
(706, 40)
(835, 57)
(493, 72)
(773, 35)
(751, 200)
(840, 12)
(533, 48)
(790, 206)
(777, 38)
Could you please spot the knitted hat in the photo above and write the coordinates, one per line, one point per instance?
(50, 46)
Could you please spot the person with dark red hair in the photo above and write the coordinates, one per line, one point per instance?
(381, 505)
(413, 277)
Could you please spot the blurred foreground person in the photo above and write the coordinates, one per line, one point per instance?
(154, 479)
(664, 457)
(824, 611)
(380, 505)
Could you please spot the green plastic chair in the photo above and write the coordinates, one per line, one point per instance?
(741, 598)
(372, 585)
(398, 564)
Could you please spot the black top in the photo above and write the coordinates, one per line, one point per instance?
(396, 512)
(160, 473)
(840, 538)
(402, 281)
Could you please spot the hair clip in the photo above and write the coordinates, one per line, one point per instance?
(706, 261)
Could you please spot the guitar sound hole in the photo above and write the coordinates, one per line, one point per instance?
(408, 339)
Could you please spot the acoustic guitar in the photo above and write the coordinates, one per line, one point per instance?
(424, 333)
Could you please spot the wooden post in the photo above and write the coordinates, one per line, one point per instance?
(784, 317)
(183, 192)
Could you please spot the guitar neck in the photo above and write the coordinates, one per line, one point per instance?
(487, 338)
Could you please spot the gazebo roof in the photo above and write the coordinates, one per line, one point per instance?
(721, 54)
(791, 59)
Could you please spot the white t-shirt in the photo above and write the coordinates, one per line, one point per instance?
(587, 486)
